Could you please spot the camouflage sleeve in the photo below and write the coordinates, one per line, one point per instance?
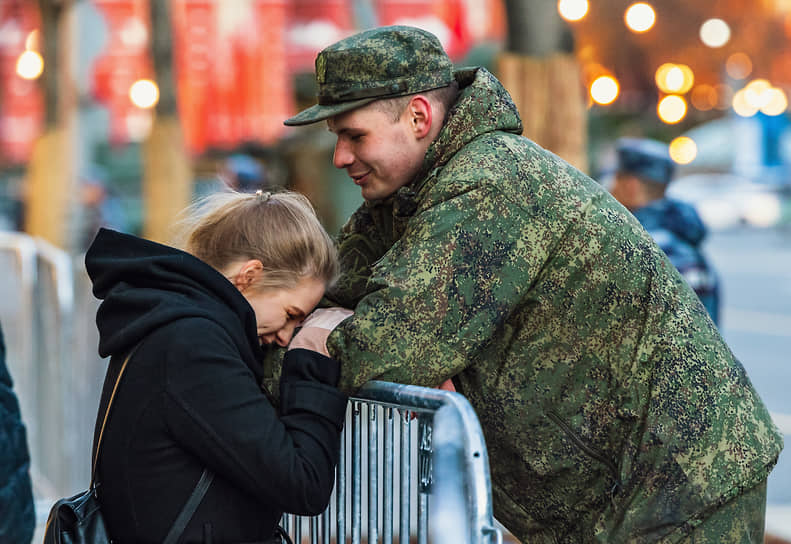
(434, 300)
(360, 245)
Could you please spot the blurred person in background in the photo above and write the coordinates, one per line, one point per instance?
(195, 321)
(17, 511)
(100, 207)
(612, 408)
(245, 174)
(644, 171)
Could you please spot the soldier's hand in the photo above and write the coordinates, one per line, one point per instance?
(326, 318)
(317, 327)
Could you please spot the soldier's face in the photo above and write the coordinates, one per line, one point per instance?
(379, 154)
(625, 190)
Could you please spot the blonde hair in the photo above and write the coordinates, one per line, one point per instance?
(279, 229)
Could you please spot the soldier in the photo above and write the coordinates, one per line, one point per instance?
(612, 408)
(643, 174)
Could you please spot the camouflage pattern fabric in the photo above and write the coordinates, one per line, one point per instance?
(740, 521)
(372, 64)
(612, 409)
(678, 230)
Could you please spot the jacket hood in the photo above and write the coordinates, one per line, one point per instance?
(483, 106)
(144, 285)
(678, 217)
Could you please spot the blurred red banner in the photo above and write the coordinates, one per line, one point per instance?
(21, 100)
(125, 60)
(231, 71)
(234, 61)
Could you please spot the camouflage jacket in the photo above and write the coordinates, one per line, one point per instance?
(612, 409)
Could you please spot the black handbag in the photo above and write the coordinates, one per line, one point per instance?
(78, 519)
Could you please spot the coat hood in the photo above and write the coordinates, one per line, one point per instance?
(144, 285)
(678, 217)
(483, 106)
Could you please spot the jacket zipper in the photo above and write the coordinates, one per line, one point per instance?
(589, 450)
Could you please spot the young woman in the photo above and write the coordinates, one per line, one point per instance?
(194, 321)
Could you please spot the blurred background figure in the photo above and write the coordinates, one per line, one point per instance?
(99, 207)
(244, 173)
(644, 171)
(17, 514)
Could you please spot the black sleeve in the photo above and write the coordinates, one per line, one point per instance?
(308, 385)
(219, 413)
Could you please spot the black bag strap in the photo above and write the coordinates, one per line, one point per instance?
(195, 498)
(189, 507)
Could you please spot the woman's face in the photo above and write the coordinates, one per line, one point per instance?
(279, 311)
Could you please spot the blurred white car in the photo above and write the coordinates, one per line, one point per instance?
(728, 200)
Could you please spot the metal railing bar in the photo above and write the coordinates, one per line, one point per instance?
(373, 474)
(387, 492)
(340, 491)
(356, 469)
(406, 480)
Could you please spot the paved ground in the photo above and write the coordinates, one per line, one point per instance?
(755, 269)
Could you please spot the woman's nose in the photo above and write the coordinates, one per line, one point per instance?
(284, 334)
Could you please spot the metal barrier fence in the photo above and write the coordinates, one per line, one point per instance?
(47, 314)
(441, 490)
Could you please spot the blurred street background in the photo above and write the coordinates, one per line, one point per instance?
(119, 112)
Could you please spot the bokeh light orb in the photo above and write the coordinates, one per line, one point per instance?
(640, 17)
(573, 10)
(144, 93)
(715, 33)
(775, 102)
(671, 109)
(738, 65)
(683, 150)
(604, 90)
(742, 106)
(674, 78)
(29, 65)
(756, 93)
(703, 97)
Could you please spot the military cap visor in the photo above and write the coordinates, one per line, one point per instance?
(384, 62)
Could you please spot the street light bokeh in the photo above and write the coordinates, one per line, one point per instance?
(715, 33)
(640, 17)
(29, 65)
(674, 78)
(671, 109)
(683, 150)
(738, 65)
(144, 93)
(604, 90)
(573, 10)
(703, 97)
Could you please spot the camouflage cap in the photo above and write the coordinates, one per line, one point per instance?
(644, 158)
(383, 62)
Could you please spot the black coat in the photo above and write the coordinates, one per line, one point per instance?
(17, 514)
(190, 398)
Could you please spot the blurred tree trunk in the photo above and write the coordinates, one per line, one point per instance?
(167, 173)
(50, 183)
(540, 71)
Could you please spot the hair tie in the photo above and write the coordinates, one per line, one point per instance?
(263, 196)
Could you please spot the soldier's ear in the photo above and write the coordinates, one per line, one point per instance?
(419, 116)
